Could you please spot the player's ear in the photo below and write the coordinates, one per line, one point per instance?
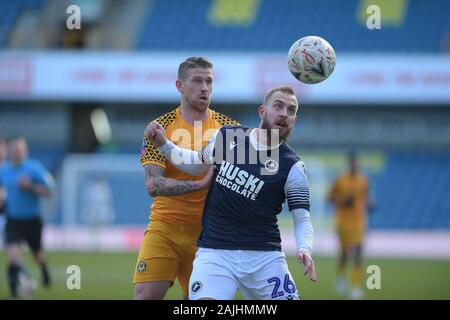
(261, 111)
(179, 85)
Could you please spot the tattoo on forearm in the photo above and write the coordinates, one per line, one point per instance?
(162, 186)
(172, 187)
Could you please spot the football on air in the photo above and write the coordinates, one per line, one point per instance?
(311, 59)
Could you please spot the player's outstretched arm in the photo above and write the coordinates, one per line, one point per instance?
(297, 194)
(185, 160)
(304, 235)
(158, 185)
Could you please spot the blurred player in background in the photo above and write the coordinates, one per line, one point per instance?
(349, 195)
(3, 151)
(97, 208)
(169, 244)
(240, 244)
(3, 156)
(23, 180)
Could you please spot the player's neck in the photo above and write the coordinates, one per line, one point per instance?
(190, 114)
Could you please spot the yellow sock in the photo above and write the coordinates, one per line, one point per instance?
(357, 275)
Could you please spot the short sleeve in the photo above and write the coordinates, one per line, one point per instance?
(41, 175)
(151, 155)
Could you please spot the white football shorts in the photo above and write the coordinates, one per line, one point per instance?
(258, 275)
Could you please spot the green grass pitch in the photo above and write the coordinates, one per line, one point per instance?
(109, 276)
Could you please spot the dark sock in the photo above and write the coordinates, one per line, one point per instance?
(13, 279)
(46, 281)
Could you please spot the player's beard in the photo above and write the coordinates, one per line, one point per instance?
(283, 134)
(197, 104)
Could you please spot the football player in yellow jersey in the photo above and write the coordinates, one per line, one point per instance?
(170, 242)
(350, 196)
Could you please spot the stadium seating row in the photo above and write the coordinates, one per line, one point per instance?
(270, 25)
(413, 192)
(9, 13)
(274, 25)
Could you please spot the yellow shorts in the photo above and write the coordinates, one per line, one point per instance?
(350, 235)
(166, 253)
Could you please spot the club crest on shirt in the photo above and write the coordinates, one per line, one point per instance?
(142, 266)
(271, 165)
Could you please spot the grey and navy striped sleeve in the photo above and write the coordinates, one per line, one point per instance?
(297, 188)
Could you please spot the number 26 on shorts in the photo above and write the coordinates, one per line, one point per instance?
(288, 286)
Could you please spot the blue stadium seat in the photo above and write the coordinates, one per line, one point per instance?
(9, 13)
(413, 192)
(184, 25)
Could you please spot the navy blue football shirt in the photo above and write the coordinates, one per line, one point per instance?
(250, 185)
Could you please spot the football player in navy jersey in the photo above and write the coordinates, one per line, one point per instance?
(255, 172)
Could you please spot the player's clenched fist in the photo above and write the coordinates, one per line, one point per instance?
(156, 133)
